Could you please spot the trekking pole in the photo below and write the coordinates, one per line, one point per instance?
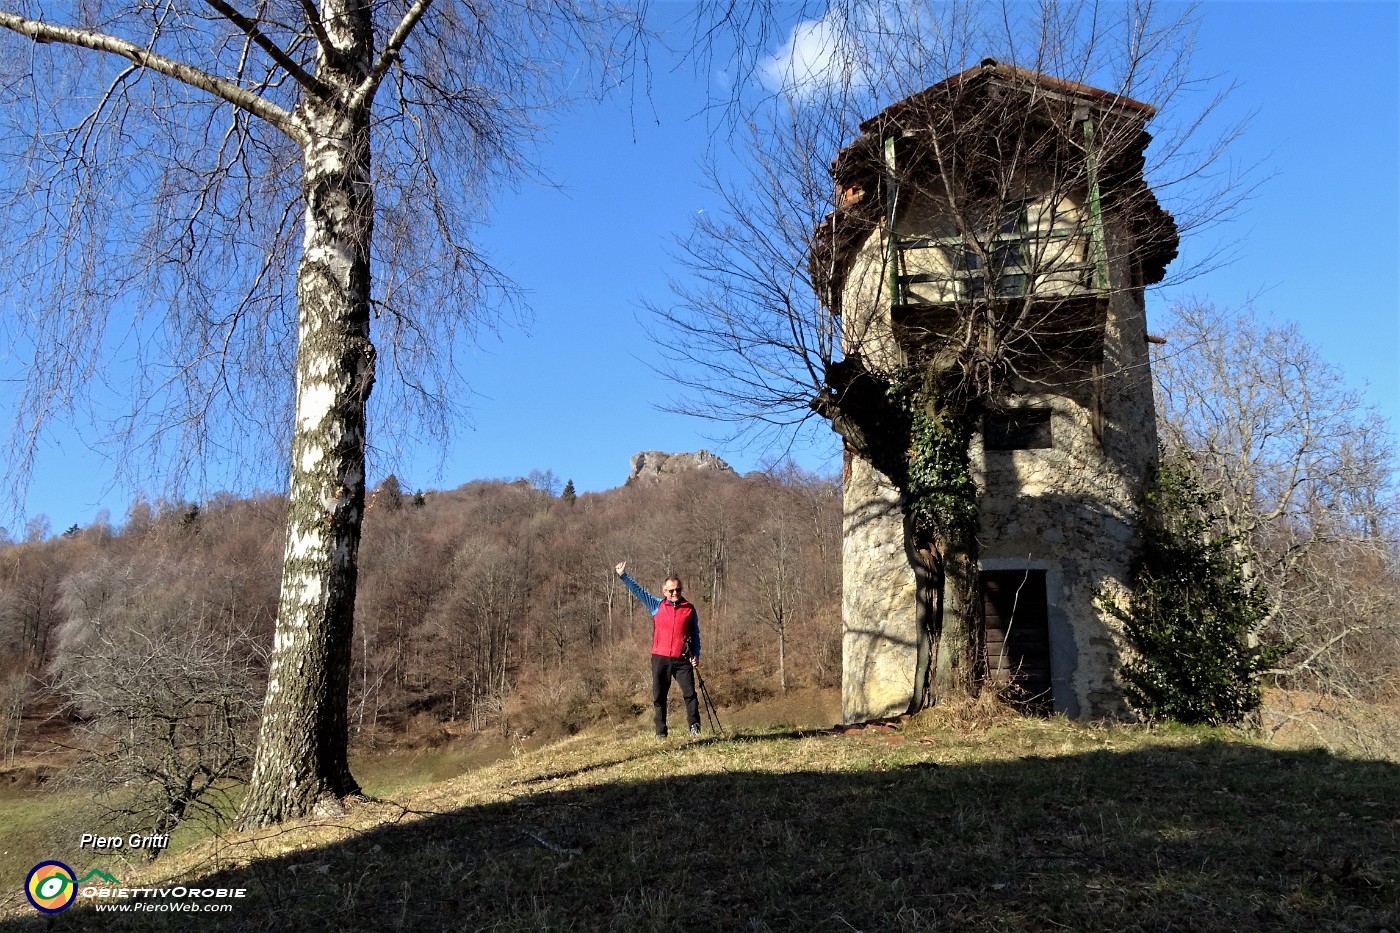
(711, 713)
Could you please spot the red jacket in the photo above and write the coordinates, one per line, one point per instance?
(673, 624)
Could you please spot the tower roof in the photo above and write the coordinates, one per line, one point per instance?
(995, 74)
(972, 117)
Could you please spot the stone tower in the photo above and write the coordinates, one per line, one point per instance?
(996, 228)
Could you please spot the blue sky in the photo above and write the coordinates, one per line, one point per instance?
(577, 391)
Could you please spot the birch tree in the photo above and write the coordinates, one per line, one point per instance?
(228, 193)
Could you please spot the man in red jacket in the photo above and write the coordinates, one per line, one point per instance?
(675, 647)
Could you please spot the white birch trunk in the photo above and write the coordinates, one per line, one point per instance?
(301, 761)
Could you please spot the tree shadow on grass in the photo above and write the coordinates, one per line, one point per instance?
(1211, 837)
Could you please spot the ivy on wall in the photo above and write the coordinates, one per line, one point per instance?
(938, 482)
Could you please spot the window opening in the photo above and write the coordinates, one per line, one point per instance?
(1021, 429)
(1007, 267)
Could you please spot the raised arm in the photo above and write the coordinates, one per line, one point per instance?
(652, 603)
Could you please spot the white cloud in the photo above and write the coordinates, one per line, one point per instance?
(816, 55)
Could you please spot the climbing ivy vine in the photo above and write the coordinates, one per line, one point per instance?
(938, 477)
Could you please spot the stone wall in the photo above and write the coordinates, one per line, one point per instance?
(1071, 510)
(880, 638)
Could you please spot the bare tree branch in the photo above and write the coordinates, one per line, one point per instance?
(42, 32)
(314, 23)
(391, 52)
(274, 51)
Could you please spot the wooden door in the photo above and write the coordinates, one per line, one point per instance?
(1018, 636)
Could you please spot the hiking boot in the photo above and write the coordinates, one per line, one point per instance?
(695, 729)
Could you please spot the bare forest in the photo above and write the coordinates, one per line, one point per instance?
(492, 607)
(1303, 476)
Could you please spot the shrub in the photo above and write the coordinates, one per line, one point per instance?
(1191, 614)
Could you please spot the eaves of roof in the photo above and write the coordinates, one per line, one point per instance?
(992, 71)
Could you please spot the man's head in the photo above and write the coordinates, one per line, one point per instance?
(672, 589)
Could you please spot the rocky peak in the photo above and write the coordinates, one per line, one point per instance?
(650, 466)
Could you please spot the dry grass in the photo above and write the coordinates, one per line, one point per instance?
(1295, 718)
(963, 820)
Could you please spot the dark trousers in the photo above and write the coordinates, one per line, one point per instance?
(662, 670)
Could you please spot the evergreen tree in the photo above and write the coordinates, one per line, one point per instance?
(568, 495)
(390, 496)
(1191, 614)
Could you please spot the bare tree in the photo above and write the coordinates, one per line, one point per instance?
(1274, 428)
(30, 574)
(30, 577)
(1304, 469)
(776, 573)
(15, 687)
(475, 628)
(236, 174)
(943, 261)
(165, 691)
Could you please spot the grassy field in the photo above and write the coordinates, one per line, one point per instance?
(970, 821)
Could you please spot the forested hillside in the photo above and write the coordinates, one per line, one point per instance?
(492, 606)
